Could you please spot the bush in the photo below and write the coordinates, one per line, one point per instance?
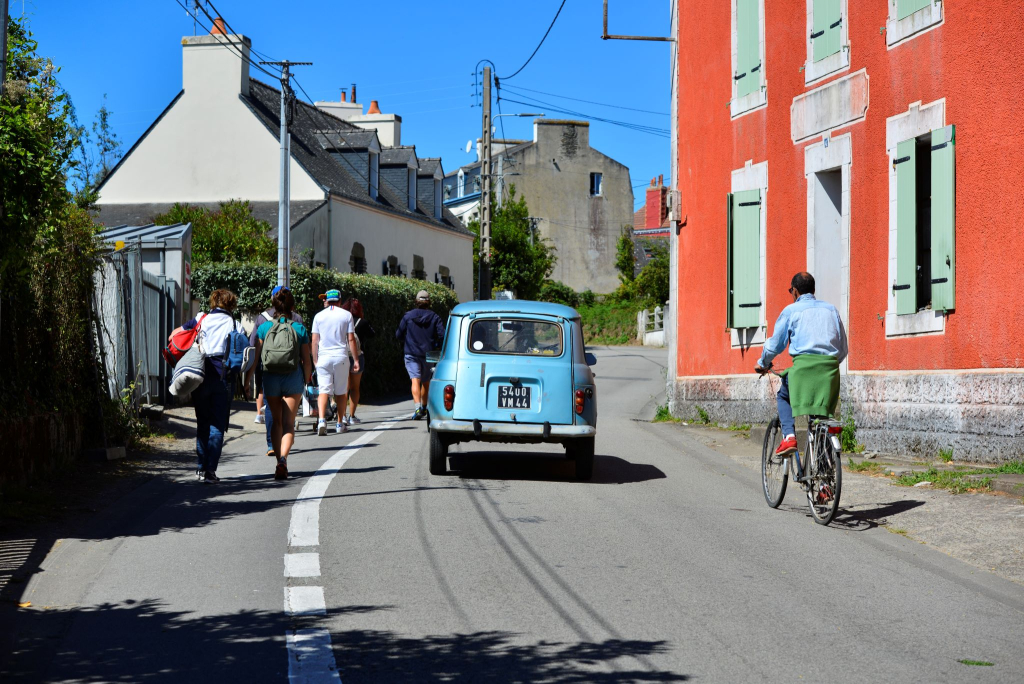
(587, 298)
(385, 300)
(231, 234)
(559, 293)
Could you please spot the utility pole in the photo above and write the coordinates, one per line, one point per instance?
(533, 226)
(284, 202)
(3, 62)
(484, 290)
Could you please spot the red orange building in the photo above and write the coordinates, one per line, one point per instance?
(876, 144)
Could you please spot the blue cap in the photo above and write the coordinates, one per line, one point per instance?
(278, 289)
(333, 295)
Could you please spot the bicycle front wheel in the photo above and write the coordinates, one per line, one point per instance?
(774, 475)
(826, 483)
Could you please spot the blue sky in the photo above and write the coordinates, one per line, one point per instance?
(416, 58)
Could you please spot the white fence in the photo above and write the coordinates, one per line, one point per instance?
(650, 327)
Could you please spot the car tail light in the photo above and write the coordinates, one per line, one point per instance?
(835, 429)
(449, 397)
(581, 397)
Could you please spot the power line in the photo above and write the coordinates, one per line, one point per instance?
(229, 45)
(496, 78)
(576, 99)
(650, 130)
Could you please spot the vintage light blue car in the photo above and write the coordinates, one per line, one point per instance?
(513, 371)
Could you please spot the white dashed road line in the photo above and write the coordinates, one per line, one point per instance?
(310, 657)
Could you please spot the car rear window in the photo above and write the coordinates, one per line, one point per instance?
(515, 336)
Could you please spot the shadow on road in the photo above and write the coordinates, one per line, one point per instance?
(516, 465)
(146, 642)
(870, 518)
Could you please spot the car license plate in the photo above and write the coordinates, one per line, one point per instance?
(512, 397)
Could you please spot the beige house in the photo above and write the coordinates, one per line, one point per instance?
(357, 204)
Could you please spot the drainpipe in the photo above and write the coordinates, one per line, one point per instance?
(330, 225)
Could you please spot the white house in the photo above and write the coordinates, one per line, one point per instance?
(356, 205)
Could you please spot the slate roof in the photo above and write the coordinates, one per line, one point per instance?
(143, 214)
(428, 166)
(397, 156)
(311, 129)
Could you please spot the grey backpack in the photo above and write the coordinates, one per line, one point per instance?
(280, 348)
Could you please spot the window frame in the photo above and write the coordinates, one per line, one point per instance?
(835, 63)
(753, 177)
(898, 31)
(739, 106)
(561, 330)
(599, 177)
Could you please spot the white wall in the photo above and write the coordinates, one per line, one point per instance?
(209, 146)
(383, 235)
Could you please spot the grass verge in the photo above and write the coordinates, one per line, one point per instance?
(863, 467)
(956, 481)
(611, 323)
(662, 415)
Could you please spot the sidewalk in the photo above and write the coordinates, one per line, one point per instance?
(985, 530)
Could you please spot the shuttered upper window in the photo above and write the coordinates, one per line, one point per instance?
(748, 81)
(904, 8)
(744, 259)
(828, 49)
(925, 223)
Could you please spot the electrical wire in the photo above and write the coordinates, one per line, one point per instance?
(228, 44)
(576, 99)
(650, 130)
(538, 44)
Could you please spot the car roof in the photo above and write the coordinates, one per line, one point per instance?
(524, 306)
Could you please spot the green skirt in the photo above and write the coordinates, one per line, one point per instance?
(813, 385)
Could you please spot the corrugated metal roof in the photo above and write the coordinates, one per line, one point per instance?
(150, 235)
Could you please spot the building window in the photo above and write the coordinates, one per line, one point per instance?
(443, 276)
(746, 218)
(925, 235)
(749, 85)
(391, 267)
(447, 192)
(910, 17)
(462, 183)
(438, 209)
(412, 189)
(828, 49)
(418, 272)
(476, 183)
(595, 184)
(374, 174)
(357, 260)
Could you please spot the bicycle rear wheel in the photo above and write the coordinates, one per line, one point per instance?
(827, 481)
(774, 475)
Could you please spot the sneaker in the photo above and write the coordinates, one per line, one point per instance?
(340, 428)
(211, 476)
(418, 413)
(345, 420)
(321, 428)
(270, 452)
(200, 475)
(787, 448)
(259, 419)
(352, 420)
(281, 472)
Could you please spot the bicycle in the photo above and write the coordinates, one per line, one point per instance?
(820, 475)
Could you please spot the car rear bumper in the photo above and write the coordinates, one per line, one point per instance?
(485, 431)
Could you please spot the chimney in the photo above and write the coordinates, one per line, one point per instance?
(374, 108)
(210, 65)
(661, 179)
(652, 182)
(353, 100)
(342, 95)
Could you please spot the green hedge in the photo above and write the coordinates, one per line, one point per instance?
(385, 300)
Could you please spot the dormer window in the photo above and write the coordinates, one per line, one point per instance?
(462, 183)
(374, 173)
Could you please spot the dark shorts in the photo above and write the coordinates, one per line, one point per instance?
(362, 363)
(283, 384)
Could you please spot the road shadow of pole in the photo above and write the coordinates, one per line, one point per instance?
(515, 465)
(143, 641)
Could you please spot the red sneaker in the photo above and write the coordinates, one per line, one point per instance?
(787, 448)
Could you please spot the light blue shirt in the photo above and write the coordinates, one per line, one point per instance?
(808, 326)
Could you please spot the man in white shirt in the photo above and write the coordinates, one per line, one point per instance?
(333, 336)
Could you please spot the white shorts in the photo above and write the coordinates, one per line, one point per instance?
(332, 374)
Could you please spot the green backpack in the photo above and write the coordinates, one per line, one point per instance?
(280, 348)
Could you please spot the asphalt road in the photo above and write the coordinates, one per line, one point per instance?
(666, 567)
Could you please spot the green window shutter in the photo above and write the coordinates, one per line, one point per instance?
(943, 219)
(906, 227)
(748, 52)
(904, 8)
(826, 29)
(745, 239)
(728, 261)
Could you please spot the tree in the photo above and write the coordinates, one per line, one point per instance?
(520, 261)
(108, 146)
(652, 283)
(625, 259)
(231, 234)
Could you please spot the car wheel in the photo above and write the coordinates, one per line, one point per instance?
(582, 451)
(438, 454)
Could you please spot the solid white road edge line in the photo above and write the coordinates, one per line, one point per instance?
(302, 565)
(304, 529)
(310, 657)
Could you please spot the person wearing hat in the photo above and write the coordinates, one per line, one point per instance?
(419, 331)
(333, 336)
(262, 415)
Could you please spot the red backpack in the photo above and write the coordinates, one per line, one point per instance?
(180, 341)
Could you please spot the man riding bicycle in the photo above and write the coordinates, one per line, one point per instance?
(817, 342)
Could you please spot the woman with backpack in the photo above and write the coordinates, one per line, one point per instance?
(212, 399)
(283, 348)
